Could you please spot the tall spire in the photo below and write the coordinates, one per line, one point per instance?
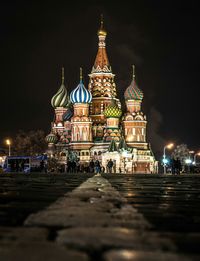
(81, 74)
(101, 21)
(101, 59)
(102, 31)
(133, 71)
(63, 75)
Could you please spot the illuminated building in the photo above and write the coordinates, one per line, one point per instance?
(90, 122)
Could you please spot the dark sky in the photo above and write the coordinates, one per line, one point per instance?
(160, 37)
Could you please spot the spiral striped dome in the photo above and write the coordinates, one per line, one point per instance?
(133, 92)
(51, 138)
(68, 114)
(112, 110)
(60, 99)
(80, 94)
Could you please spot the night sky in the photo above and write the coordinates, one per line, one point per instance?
(161, 39)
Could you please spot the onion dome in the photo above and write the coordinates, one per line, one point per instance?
(101, 30)
(133, 92)
(60, 99)
(68, 114)
(51, 138)
(80, 94)
(112, 110)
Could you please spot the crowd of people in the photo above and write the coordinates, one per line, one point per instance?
(94, 166)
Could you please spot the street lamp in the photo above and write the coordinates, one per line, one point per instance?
(168, 146)
(8, 142)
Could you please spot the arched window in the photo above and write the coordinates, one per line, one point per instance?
(59, 124)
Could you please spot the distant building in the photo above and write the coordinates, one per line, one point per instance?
(89, 123)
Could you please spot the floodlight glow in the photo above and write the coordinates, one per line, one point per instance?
(169, 146)
(8, 142)
(165, 161)
(188, 161)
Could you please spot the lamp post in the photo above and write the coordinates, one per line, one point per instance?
(8, 142)
(169, 146)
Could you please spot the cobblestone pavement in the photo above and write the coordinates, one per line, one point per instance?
(110, 217)
(22, 194)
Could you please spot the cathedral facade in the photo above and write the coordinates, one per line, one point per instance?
(89, 122)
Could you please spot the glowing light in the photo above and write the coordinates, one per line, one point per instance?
(8, 142)
(169, 146)
(188, 161)
(165, 161)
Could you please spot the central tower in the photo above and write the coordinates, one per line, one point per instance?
(101, 86)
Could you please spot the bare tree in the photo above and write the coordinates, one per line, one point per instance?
(182, 152)
(29, 143)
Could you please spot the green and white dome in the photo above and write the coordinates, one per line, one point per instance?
(112, 110)
(51, 138)
(60, 99)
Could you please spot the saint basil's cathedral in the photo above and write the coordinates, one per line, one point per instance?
(89, 122)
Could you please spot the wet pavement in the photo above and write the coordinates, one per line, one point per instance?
(23, 194)
(108, 217)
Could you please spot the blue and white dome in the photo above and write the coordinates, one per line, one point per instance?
(80, 94)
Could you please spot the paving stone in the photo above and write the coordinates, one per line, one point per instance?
(22, 194)
(98, 238)
(95, 217)
(17, 235)
(73, 211)
(127, 255)
(40, 252)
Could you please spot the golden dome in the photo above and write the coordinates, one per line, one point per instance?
(102, 31)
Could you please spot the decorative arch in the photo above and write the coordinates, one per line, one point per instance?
(139, 117)
(129, 118)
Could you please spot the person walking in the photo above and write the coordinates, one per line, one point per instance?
(114, 166)
(91, 166)
(97, 166)
(109, 166)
